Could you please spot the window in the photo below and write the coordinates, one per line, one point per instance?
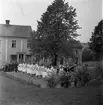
(28, 44)
(13, 43)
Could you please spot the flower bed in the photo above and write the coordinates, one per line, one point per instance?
(62, 76)
(79, 76)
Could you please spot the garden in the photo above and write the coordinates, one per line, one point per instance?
(60, 77)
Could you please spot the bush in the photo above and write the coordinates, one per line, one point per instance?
(99, 70)
(82, 75)
(95, 70)
(65, 80)
(52, 80)
(82, 78)
(88, 55)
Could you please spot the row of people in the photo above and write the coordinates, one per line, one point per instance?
(42, 70)
(36, 69)
(10, 67)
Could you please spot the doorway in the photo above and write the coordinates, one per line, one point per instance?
(13, 58)
(21, 58)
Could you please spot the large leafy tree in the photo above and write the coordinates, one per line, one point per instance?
(57, 26)
(96, 40)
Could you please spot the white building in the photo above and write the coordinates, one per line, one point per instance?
(14, 46)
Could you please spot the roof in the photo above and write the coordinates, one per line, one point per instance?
(14, 30)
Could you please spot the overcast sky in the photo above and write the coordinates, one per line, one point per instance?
(27, 12)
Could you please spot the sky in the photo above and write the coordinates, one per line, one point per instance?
(27, 12)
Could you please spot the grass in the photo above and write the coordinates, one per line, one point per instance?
(88, 95)
(18, 79)
(91, 94)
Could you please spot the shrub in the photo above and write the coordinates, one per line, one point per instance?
(87, 55)
(82, 78)
(78, 68)
(95, 70)
(99, 70)
(65, 80)
(52, 80)
(82, 75)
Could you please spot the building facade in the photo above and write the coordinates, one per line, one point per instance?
(14, 46)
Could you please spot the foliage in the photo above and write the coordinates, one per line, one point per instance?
(52, 81)
(99, 70)
(65, 80)
(79, 77)
(96, 40)
(87, 55)
(56, 27)
(82, 78)
(94, 69)
(82, 75)
(59, 20)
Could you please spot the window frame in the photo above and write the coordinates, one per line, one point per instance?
(28, 44)
(13, 43)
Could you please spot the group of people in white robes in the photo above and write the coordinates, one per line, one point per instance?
(36, 69)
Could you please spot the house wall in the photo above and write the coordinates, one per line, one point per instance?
(21, 45)
(2, 51)
(6, 49)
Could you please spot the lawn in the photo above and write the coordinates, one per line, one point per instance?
(88, 95)
(91, 94)
(71, 96)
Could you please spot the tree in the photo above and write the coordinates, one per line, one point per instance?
(87, 55)
(57, 26)
(96, 40)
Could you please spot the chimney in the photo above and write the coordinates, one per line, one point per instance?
(7, 22)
